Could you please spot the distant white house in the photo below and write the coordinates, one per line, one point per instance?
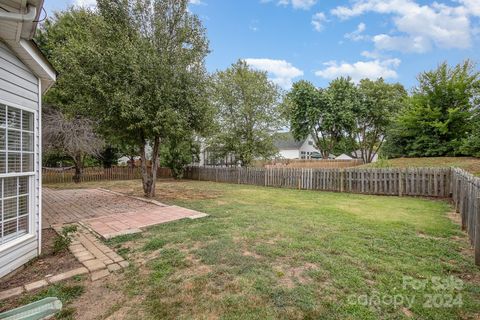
(25, 75)
(289, 148)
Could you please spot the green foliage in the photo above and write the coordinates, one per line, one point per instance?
(55, 158)
(471, 144)
(437, 120)
(109, 156)
(379, 103)
(325, 114)
(63, 240)
(344, 117)
(138, 67)
(177, 152)
(248, 113)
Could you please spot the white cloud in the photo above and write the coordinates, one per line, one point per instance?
(405, 44)
(296, 4)
(361, 69)
(318, 20)
(85, 3)
(357, 34)
(371, 54)
(421, 27)
(281, 72)
(473, 6)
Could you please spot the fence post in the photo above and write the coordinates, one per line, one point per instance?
(342, 179)
(477, 234)
(400, 183)
(457, 196)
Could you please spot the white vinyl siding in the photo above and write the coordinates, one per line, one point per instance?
(17, 84)
(19, 162)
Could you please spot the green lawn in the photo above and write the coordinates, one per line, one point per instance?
(269, 253)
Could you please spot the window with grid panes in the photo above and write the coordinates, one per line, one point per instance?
(16, 171)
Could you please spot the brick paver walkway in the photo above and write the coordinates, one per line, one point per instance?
(106, 213)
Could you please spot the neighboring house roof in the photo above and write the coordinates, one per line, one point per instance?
(358, 154)
(285, 141)
(343, 156)
(18, 23)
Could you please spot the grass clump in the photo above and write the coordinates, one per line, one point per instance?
(63, 240)
(154, 244)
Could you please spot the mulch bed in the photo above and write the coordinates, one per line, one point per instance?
(48, 263)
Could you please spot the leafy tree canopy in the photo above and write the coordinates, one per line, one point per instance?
(138, 66)
(248, 113)
(439, 117)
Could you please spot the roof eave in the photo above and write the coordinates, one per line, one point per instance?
(29, 53)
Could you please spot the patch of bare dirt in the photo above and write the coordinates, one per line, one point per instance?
(407, 312)
(426, 236)
(166, 190)
(47, 264)
(455, 217)
(166, 194)
(247, 253)
(101, 298)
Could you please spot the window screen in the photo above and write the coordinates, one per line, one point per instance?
(16, 140)
(16, 171)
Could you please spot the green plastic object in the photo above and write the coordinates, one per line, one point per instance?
(42, 309)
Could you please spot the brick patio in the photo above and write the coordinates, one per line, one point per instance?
(106, 213)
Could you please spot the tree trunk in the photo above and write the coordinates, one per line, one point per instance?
(149, 177)
(132, 162)
(146, 181)
(78, 162)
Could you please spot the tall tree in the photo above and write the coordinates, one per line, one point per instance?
(325, 114)
(374, 112)
(248, 113)
(73, 136)
(438, 117)
(139, 67)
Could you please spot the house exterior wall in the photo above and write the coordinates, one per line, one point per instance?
(307, 148)
(20, 88)
(18, 85)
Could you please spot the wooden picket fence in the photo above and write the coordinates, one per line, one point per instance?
(54, 175)
(430, 182)
(466, 197)
(462, 187)
(311, 163)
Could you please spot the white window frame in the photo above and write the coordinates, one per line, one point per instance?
(31, 181)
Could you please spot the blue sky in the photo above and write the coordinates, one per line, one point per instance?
(319, 40)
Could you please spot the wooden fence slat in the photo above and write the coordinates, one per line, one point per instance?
(52, 175)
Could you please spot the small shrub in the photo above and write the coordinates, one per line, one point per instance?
(64, 239)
